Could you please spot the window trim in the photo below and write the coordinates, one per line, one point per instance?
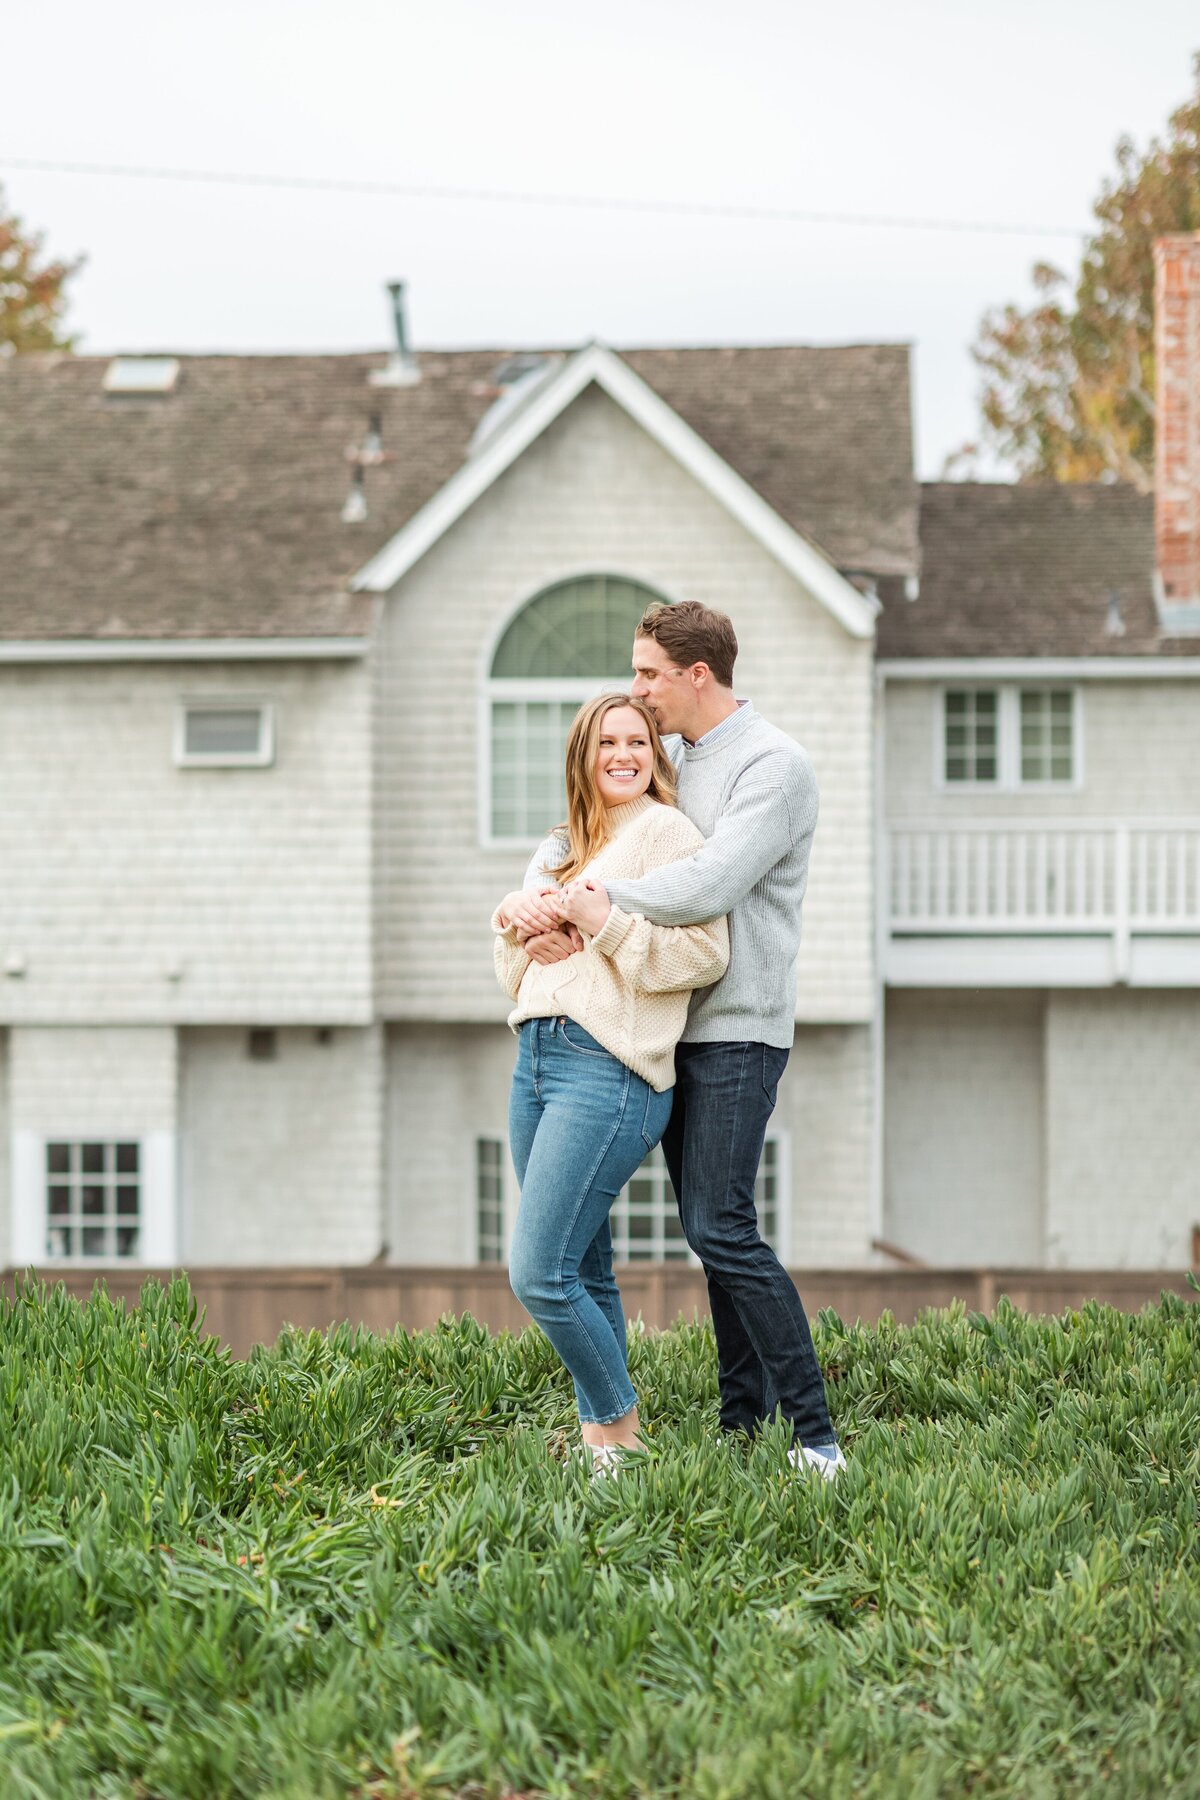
(783, 1208)
(159, 1227)
(506, 1189)
(510, 1191)
(507, 688)
(1008, 738)
(261, 758)
(579, 688)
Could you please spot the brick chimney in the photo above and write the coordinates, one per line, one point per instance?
(1177, 429)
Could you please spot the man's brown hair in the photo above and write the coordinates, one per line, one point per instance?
(692, 633)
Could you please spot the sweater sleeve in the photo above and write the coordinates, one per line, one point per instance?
(508, 957)
(510, 962)
(550, 853)
(758, 826)
(665, 959)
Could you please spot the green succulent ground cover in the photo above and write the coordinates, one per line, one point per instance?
(353, 1565)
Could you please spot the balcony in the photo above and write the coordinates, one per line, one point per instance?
(1004, 903)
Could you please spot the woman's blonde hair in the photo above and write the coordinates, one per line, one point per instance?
(586, 824)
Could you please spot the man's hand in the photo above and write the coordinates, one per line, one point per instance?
(586, 904)
(533, 914)
(553, 946)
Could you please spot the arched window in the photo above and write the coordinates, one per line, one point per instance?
(569, 642)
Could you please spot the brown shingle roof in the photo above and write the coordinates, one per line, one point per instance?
(214, 511)
(1027, 570)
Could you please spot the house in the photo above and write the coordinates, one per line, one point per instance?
(289, 647)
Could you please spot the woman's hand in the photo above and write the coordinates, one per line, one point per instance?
(532, 914)
(586, 904)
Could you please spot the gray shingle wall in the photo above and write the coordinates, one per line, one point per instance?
(1139, 740)
(119, 866)
(281, 1160)
(596, 493)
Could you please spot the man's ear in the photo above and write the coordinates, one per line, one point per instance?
(699, 674)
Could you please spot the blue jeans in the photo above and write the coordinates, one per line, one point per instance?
(724, 1096)
(579, 1123)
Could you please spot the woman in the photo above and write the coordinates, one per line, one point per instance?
(591, 1092)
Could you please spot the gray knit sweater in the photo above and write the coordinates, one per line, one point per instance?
(753, 794)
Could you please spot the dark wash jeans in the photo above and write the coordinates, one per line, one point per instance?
(724, 1096)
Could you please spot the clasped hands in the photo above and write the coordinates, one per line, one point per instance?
(549, 923)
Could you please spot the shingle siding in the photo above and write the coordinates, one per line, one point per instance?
(596, 494)
(1122, 1129)
(5, 1152)
(119, 866)
(825, 1107)
(85, 1082)
(281, 1160)
(1139, 741)
(963, 1102)
(447, 1086)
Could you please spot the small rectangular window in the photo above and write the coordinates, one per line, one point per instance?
(1047, 735)
(93, 1200)
(224, 736)
(971, 742)
(489, 1200)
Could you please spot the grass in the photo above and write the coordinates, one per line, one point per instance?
(352, 1565)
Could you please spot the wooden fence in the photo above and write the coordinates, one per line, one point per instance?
(249, 1306)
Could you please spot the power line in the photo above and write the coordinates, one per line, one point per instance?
(512, 197)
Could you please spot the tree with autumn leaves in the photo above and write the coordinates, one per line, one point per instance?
(1068, 389)
(32, 292)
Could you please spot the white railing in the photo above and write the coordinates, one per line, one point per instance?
(1012, 877)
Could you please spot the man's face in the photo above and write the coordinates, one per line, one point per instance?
(663, 685)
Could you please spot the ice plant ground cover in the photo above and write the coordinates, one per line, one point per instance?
(357, 1565)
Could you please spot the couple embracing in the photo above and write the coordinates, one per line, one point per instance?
(651, 955)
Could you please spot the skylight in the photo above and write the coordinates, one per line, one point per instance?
(141, 375)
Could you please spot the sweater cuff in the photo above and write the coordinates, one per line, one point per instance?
(612, 931)
(507, 932)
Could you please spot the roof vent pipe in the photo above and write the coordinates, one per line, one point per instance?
(401, 369)
(1114, 624)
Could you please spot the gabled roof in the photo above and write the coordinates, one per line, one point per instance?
(1028, 570)
(214, 511)
(597, 365)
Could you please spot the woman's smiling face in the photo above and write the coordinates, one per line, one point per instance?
(625, 758)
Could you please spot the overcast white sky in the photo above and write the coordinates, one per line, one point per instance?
(934, 109)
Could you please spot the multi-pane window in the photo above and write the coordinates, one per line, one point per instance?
(569, 642)
(489, 1199)
(93, 1199)
(645, 1219)
(529, 739)
(972, 735)
(1047, 734)
(1008, 737)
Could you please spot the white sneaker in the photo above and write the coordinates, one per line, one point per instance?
(826, 1459)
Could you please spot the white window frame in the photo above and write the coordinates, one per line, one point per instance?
(158, 1224)
(511, 1192)
(505, 1171)
(1008, 738)
(495, 688)
(261, 758)
(575, 689)
(783, 1208)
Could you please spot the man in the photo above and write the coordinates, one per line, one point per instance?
(751, 790)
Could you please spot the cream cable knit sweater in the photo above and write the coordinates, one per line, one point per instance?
(630, 985)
